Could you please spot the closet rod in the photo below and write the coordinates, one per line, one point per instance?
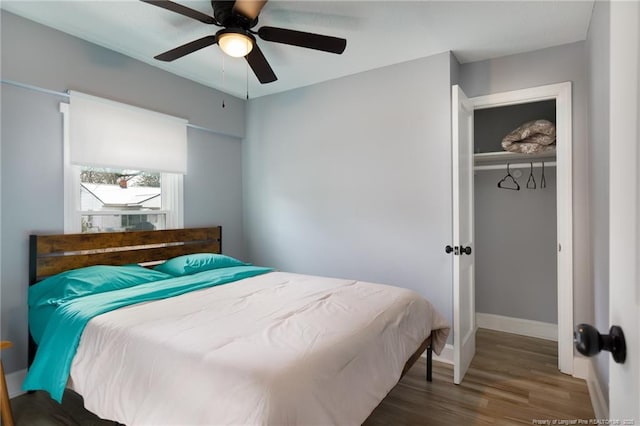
(514, 165)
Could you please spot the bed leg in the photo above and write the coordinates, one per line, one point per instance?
(31, 351)
(429, 363)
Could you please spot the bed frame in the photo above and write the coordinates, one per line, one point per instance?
(52, 254)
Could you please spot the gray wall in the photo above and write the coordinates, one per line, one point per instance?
(352, 178)
(598, 49)
(548, 66)
(515, 246)
(454, 69)
(32, 183)
(213, 187)
(32, 201)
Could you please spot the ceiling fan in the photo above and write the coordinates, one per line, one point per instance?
(236, 38)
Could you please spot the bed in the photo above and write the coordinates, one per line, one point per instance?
(230, 343)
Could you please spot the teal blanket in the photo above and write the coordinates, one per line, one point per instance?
(52, 364)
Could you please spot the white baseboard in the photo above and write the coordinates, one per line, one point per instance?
(525, 327)
(583, 369)
(14, 382)
(445, 356)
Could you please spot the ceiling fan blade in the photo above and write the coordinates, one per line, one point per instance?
(185, 49)
(302, 39)
(260, 66)
(249, 8)
(182, 10)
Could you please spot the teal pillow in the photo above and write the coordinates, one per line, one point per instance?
(48, 294)
(197, 262)
(79, 282)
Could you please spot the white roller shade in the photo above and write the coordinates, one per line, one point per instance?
(105, 133)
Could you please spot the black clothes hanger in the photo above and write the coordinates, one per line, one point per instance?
(505, 183)
(531, 182)
(543, 181)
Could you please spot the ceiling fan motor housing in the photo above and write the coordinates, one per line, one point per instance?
(223, 13)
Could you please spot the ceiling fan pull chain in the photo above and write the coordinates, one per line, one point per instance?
(223, 77)
(246, 68)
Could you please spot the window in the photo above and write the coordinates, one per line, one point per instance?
(120, 200)
(109, 149)
(112, 200)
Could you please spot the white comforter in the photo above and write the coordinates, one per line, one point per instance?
(275, 349)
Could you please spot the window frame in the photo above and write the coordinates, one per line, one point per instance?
(171, 184)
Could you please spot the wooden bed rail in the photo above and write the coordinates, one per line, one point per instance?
(425, 346)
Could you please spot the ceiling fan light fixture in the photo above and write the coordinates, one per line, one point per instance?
(235, 42)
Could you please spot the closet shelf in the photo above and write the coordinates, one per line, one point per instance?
(502, 157)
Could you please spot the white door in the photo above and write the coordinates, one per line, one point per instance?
(624, 213)
(464, 305)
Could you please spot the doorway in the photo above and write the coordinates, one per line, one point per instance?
(515, 223)
(463, 111)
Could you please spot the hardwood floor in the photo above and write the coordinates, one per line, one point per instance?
(512, 380)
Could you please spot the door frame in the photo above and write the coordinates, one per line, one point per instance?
(561, 93)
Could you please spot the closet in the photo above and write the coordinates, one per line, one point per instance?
(515, 215)
(517, 261)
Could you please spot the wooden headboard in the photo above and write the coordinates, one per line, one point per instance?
(52, 254)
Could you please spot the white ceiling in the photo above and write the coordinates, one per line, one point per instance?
(378, 33)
